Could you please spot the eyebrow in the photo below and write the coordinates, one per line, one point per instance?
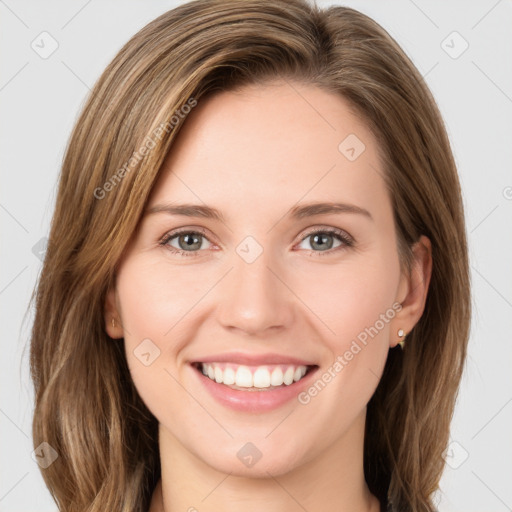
(297, 212)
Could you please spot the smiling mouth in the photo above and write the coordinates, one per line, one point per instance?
(254, 378)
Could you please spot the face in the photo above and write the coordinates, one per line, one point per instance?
(321, 287)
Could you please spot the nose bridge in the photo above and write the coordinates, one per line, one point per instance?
(252, 297)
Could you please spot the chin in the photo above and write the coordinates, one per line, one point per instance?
(252, 459)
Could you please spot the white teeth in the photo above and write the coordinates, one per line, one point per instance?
(260, 377)
(229, 376)
(297, 375)
(276, 379)
(288, 375)
(243, 377)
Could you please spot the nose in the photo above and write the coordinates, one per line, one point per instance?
(254, 297)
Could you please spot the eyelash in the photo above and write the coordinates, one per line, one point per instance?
(339, 234)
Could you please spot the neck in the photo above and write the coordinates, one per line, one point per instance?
(333, 480)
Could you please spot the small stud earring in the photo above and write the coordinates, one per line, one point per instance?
(401, 333)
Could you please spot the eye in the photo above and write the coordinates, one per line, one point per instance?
(322, 239)
(186, 240)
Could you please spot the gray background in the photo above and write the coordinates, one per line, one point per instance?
(40, 100)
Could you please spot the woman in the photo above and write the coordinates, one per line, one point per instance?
(195, 344)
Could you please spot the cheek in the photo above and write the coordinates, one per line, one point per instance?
(151, 303)
(147, 315)
(350, 297)
(155, 296)
(358, 310)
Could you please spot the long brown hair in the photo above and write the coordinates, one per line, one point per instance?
(86, 405)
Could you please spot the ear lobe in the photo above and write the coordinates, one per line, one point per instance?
(417, 285)
(111, 316)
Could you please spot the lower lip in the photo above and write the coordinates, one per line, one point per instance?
(254, 401)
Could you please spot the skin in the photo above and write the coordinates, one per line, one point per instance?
(254, 154)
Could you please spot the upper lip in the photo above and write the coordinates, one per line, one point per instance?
(253, 359)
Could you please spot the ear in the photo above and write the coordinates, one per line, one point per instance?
(413, 290)
(112, 318)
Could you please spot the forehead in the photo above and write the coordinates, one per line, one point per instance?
(268, 147)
